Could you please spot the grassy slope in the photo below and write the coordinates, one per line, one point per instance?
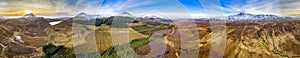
(151, 27)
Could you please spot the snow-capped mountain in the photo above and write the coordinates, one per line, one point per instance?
(247, 16)
(30, 15)
(126, 14)
(85, 16)
(152, 17)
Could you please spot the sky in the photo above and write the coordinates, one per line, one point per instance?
(160, 8)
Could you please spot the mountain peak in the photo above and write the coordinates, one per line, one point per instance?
(125, 14)
(30, 15)
(84, 16)
(243, 13)
(81, 14)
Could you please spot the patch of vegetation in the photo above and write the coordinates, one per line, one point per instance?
(51, 50)
(149, 27)
(84, 22)
(138, 43)
(141, 27)
(110, 53)
(57, 51)
(114, 21)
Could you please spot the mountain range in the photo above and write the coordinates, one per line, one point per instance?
(88, 17)
(248, 16)
(236, 17)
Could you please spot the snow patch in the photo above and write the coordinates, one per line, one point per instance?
(54, 23)
(18, 38)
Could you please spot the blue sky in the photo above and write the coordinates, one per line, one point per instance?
(194, 8)
(163, 8)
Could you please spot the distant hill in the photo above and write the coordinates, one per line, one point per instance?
(30, 15)
(114, 21)
(126, 14)
(84, 16)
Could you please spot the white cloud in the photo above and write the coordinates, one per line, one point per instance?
(111, 8)
(138, 3)
(265, 6)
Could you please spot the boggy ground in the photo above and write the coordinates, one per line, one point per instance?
(244, 39)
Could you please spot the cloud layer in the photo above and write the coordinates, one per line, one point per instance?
(171, 8)
(18, 7)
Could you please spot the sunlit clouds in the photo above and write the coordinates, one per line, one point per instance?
(42, 7)
(27, 11)
(171, 8)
